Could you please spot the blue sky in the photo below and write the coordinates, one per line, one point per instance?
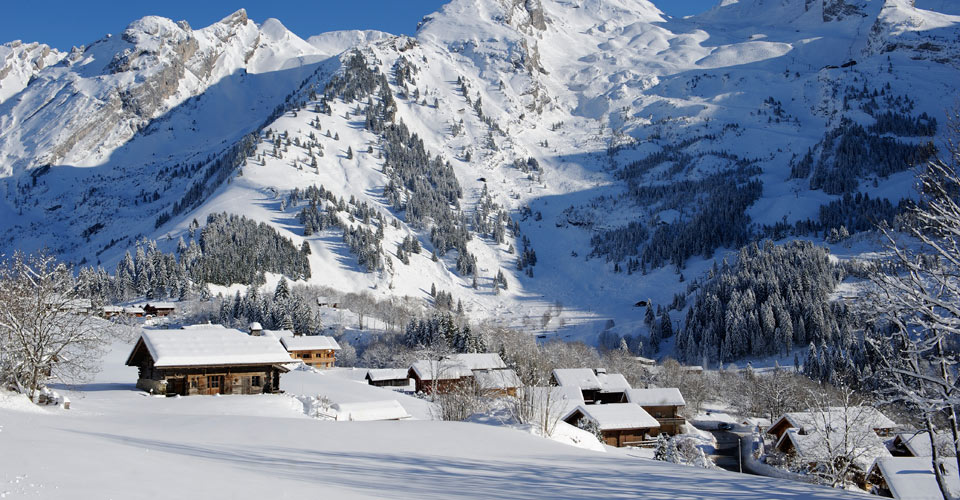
(65, 23)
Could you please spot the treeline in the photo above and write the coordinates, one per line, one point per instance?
(774, 298)
(848, 215)
(443, 333)
(282, 310)
(230, 249)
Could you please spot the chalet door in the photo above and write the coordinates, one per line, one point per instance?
(215, 384)
(177, 386)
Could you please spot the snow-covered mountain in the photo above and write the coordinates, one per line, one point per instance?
(627, 149)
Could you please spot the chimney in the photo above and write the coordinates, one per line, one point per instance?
(255, 329)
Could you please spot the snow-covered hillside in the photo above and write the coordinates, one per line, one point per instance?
(625, 148)
(119, 442)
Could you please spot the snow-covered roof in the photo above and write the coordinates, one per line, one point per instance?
(613, 382)
(448, 369)
(111, 309)
(862, 444)
(202, 326)
(133, 310)
(866, 416)
(497, 379)
(912, 478)
(617, 416)
(381, 374)
(918, 443)
(211, 346)
(366, 411)
(255, 326)
(584, 378)
(668, 396)
(162, 305)
(275, 334)
(309, 343)
(480, 360)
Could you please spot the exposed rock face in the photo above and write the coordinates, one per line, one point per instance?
(20, 62)
(107, 92)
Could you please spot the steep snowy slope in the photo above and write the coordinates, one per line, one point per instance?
(19, 62)
(105, 93)
(601, 153)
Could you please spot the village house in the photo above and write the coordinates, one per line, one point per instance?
(369, 411)
(207, 360)
(134, 312)
(861, 444)
(663, 404)
(159, 309)
(613, 387)
(497, 382)
(910, 478)
(583, 378)
(917, 444)
(620, 424)
(318, 351)
(110, 311)
(441, 376)
(806, 421)
(391, 378)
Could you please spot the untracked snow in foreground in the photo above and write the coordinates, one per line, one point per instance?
(117, 442)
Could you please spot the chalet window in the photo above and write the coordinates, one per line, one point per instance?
(213, 382)
(255, 380)
(193, 383)
(306, 355)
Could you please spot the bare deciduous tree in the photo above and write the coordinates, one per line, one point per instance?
(46, 332)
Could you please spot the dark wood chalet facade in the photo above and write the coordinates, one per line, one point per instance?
(207, 362)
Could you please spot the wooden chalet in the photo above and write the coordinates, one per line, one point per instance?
(159, 309)
(917, 444)
(621, 424)
(909, 478)
(806, 421)
(110, 311)
(664, 405)
(498, 382)
(211, 360)
(134, 312)
(583, 378)
(391, 378)
(438, 375)
(318, 351)
(613, 387)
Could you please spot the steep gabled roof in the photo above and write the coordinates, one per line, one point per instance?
(381, 374)
(669, 396)
(613, 382)
(309, 343)
(862, 444)
(447, 369)
(210, 346)
(497, 379)
(584, 378)
(480, 360)
(912, 478)
(617, 416)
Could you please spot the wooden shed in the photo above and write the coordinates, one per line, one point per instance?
(207, 361)
(159, 308)
(438, 375)
(318, 351)
(621, 424)
(392, 378)
(663, 404)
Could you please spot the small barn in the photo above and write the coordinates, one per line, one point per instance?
(816, 447)
(369, 411)
(498, 382)
(910, 478)
(480, 361)
(621, 424)
(663, 404)
(318, 351)
(391, 378)
(159, 309)
(431, 375)
(207, 361)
